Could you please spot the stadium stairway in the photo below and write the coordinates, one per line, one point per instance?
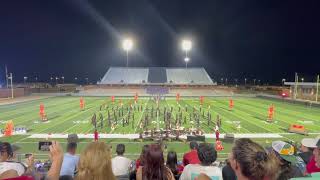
(157, 75)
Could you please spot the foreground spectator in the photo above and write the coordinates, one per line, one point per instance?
(70, 160)
(250, 161)
(192, 156)
(139, 161)
(314, 143)
(228, 172)
(312, 164)
(153, 165)
(305, 152)
(172, 164)
(120, 164)
(290, 164)
(95, 163)
(7, 163)
(207, 156)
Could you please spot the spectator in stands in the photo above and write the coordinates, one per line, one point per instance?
(70, 160)
(172, 164)
(95, 162)
(250, 161)
(139, 162)
(120, 164)
(305, 152)
(290, 164)
(314, 164)
(7, 163)
(207, 156)
(153, 165)
(192, 156)
(228, 172)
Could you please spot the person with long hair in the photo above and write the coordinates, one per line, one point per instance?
(153, 165)
(250, 161)
(172, 163)
(95, 163)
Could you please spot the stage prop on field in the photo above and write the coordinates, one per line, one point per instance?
(8, 128)
(136, 98)
(270, 113)
(82, 104)
(42, 113)
(299, 129)
(231, 104)
(201, 100)
(178, 97)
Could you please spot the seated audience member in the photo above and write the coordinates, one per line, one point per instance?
(120, 164)
(228, 173)
(6, 163)
(153, 165)
(314, 143)
(70, 160)
(250, 161)
(312, 164)
(139, 161)
(305, 152)
(290, 164)
(95, 162)
(172, 163)
(207, 156)
(192, 156)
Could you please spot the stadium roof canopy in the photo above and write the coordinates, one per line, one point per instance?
(156, 75)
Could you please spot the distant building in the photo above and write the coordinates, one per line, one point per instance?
(305, 90)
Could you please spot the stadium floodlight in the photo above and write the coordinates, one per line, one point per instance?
(302, 79)
(186, 46)
(127, 45)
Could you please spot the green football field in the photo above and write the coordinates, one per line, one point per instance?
(65, 117)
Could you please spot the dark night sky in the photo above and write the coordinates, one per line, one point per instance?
(267, 40)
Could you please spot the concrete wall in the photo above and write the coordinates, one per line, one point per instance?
(17, 92)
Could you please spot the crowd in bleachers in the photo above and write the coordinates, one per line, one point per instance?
(247, 161)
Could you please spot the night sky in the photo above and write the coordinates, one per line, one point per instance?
(267, 40)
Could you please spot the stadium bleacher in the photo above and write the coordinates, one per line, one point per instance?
(156, 75)
(122, 75)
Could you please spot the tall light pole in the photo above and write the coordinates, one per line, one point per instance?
(254, 82)
(25, 79)
(62, 79)
(283, 81)
(186, 46)
(127, 45)
(245, 81)
(317, 89)
(10, 77)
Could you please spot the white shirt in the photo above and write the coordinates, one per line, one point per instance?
(191, 171)
(5, 166)
(120, 165)
(69, 164)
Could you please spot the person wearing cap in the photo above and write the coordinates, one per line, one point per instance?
(305, 152)
(315, 160)
(290, 165)
(314, 164)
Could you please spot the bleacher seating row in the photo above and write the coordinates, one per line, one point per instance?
(155, 75)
